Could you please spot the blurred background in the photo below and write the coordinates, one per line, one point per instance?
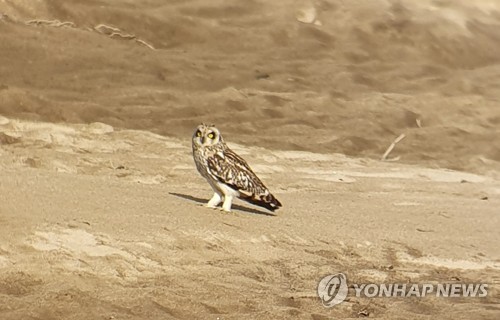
(324, 76)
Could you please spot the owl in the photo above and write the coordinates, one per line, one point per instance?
(227, 173)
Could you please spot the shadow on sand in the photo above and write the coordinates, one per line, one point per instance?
(235, 206)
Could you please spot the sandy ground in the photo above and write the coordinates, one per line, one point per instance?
(98, 223)
(100, 202)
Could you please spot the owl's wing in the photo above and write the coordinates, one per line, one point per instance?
(229, 168)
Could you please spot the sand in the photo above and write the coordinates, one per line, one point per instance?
(101, 212)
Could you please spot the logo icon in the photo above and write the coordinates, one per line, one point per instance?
(332, 289)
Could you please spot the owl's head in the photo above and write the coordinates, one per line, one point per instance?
(206, 135)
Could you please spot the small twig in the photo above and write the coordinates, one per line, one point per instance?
(393, 159)
(419, 123)
(113, 32)
(145, 44)
(122, 35)
(105, 29)
(391, 147)
(51, 23)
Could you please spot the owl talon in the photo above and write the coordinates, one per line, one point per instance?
(222, 210)
(214, 202)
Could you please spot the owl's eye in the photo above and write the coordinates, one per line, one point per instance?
(211, 135)
(198, 133)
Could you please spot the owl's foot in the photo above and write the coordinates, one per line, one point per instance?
(222, 210)
(214, 202)
(226, 206)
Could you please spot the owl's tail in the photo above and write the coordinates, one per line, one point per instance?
(266, 201)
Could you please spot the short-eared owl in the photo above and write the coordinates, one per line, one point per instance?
(227, 173)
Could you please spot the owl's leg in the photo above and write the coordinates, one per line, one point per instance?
(228, 200)
(214, 202)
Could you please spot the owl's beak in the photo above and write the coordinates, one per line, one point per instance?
(202, 140)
